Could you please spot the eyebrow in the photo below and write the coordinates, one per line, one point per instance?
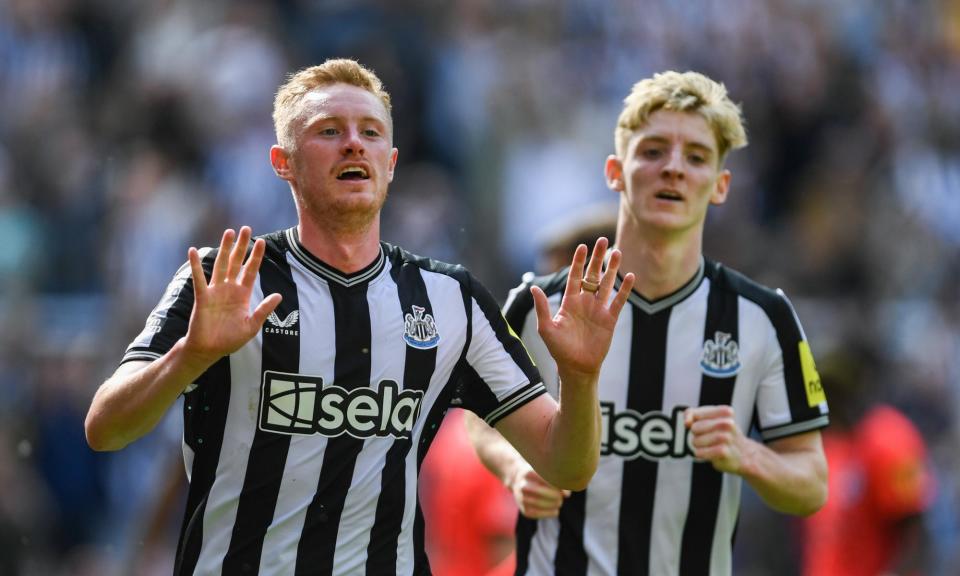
(321, 117)
(664, 140)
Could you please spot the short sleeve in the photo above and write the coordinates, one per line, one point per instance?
(500, 375)
(169, 320)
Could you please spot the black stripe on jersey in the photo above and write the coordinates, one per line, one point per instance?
(571, 556)
(525, 531)
(268, 454)
(204, 419)
(648, 356)
(418, 368)
(352, 369)
(707, 482)
(789, 335)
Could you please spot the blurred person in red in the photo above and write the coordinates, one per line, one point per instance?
(469, 514)
(880, 485)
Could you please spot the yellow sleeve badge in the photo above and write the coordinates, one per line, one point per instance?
(811, 379)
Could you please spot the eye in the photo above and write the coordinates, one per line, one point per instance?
(696, 159)
(329, 131)
(371, 133)
(651, 153)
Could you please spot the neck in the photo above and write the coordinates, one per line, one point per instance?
(662, 263)
(346, 249)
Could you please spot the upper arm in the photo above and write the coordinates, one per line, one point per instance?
(130, 367)
(805, 449)
(527, 427)
(804, 443)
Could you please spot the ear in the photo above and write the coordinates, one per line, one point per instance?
(613, 171)
(393, 164)
(280, 160)
(722, 187)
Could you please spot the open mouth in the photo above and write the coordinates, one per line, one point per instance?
(669, 195)
(353, 173)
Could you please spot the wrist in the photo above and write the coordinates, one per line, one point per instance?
(192, 360)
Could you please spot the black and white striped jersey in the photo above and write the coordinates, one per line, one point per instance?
(651, 509)
(303, 447)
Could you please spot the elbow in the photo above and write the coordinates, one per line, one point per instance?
(817, 496)
(812, 505)
(99, 439)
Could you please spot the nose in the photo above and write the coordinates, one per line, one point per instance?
(352, 143)
(673, 168)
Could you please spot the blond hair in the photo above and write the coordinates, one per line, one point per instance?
(682, 92)
(286, 105)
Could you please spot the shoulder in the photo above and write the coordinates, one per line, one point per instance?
(401, 258)
(773, 301)
(520, 301)
(276, 242)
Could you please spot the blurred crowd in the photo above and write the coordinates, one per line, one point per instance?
(130, 130)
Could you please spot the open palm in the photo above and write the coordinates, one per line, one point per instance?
(221, 321)
(578, 336)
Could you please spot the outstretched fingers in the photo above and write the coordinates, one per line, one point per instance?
(540, 304)
(238, 252)
(622, 294)
(609, 276)
(575, 278)
(196, 271)
(221, 263)
(595, 266)
(252, 267)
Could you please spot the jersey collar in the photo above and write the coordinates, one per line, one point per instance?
(654, 306)
(327, 272)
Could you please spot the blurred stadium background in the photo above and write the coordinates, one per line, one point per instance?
(130, 130)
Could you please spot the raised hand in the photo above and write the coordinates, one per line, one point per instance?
(578, 336)
(221, 321)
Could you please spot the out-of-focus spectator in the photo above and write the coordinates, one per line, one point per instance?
(469, 515)
(880, 485)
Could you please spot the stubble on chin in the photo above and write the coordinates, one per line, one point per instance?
(341, 217)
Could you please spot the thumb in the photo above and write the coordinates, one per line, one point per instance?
(264, 309)
(544, 317)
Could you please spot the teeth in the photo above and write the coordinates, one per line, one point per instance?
(353, 170)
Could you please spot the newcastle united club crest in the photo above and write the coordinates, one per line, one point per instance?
(420, 331)
(721, 356)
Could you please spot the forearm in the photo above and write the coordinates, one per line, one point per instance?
(789, 481)
(494, 451)
(560, 441)
(132, 401)
(573, 436)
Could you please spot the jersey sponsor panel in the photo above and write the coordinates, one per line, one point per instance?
(652, 508)
(325, 416)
